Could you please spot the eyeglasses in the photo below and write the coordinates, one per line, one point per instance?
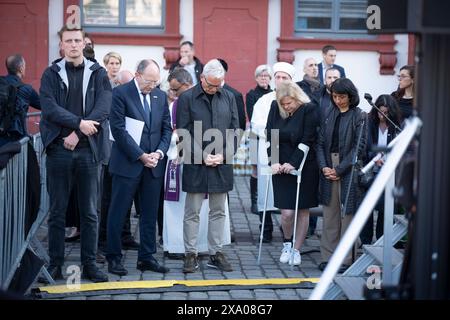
(149, 82)
(402, 76)
(212, 86)
(175, 90)
(264, 75)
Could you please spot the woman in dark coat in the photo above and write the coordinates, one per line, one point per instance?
(336, 147)
(381, 133)
(295, 117)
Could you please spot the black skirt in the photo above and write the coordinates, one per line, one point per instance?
(285, 188)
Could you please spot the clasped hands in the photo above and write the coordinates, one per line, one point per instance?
(213, 160)
(150, 160)
(330, 174)
(282, 168)
(87, 127)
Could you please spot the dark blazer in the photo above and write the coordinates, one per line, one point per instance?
(350, 125)
(341, 70)
(156, 135)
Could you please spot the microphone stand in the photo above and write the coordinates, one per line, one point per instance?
(347, 195)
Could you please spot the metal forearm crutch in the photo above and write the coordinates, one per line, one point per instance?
(298, 173)
(269, 176)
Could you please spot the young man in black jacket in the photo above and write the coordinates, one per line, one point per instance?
(75, 101)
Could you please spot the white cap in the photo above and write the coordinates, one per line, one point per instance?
(284, 67)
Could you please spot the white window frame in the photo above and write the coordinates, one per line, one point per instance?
(335, 16)
(122, 27)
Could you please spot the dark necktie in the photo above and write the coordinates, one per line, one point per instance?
(146, 107)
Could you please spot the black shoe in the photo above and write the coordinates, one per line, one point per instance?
(267, 239)
(151, 265)
(54, 271)
(116, 267)
(343, 268)
(94, 274)
(190, 263)
(322, 266)
(400, 245)
(174, 256)
(130, 245)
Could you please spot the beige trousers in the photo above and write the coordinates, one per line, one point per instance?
(216, 221)
(334, 225)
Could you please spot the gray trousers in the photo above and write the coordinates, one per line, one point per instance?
(334, 226)
(216, 221)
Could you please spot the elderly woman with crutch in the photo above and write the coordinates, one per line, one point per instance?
(342, 140)
(294, 118)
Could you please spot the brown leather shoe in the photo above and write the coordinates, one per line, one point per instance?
(190, 263)
(219, 261)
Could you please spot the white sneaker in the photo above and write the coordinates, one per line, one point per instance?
(285, 252)
(296, 259)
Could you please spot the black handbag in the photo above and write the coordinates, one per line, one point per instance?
(365, 180)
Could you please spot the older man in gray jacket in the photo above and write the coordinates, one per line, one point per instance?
(206, 111)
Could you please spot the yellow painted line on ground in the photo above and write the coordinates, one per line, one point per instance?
(121, 285)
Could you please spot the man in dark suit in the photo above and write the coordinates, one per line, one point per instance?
(138, 167)
(329, 56)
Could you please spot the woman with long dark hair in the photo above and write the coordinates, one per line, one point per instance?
(381, 133)
(338, 139)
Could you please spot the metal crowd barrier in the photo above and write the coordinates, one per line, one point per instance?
(14, 241)
(13, 189)
(44, 203)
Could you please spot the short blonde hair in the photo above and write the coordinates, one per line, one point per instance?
(110, 55)
(292, 90)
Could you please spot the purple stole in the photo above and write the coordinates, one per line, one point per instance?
(172, 188)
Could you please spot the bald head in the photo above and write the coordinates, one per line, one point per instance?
(124, 76)
(310, 68)
(15, 64)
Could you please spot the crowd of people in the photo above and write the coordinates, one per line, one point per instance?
(113, 137)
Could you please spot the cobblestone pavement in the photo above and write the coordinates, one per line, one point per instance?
(242, 254)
